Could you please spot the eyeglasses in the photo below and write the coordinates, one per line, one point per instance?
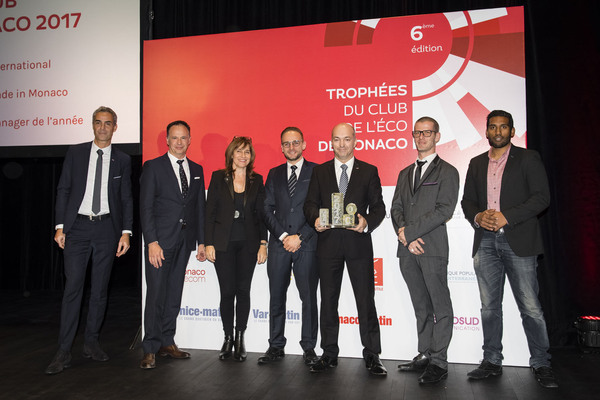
(426, 133)
(294, 143)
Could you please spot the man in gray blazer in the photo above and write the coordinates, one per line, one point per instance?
(292, 246)
(505, 191)
(424, 200)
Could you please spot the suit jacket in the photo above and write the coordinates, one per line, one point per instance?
(163, 209)
(220, 208)
(423, 211)
(284, 213)
(523, 196)
(73, 180)
(364, 190)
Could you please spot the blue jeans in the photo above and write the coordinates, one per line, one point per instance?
(493, 262)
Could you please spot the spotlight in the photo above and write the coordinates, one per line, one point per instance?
(588, 331)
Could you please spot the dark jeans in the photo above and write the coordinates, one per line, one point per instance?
(494, 261)
(235, 268)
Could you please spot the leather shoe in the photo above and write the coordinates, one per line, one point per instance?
(485, 370)
(418, 364)
(173, 352)
(433, 374)
(61, 360)
(148, 362)
(310, 357)
(272, 354)
(226, 349)
(93, 351)
(374, 365)
(324, 363)
(545, 377)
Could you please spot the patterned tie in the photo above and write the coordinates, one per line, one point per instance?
(343, 179)
(184, 182)
(418, 173)
(97, 184)
(292, 181)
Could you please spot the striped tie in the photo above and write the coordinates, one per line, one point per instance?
(292, 181)
(343, 179)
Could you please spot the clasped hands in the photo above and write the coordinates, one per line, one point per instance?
(491, 220)
(415, 247)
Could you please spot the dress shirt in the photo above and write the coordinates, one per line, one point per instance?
(298, 164)
(494, 179)
(428, 160)
(86, 204)
(338, 169)
(175, 165)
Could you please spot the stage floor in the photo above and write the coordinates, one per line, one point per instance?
(29, 329)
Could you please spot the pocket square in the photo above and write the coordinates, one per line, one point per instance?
(196, 177)
(117, 177)
(429, 183)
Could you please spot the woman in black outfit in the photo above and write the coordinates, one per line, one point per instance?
(235, 238)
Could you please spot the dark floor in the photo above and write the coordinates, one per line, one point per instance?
(29, 328)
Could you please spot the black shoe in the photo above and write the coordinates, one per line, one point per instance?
(93, 351)
(61, 360)
(485, 370)
(418, 364)
(433, 374)
(225, 352)
(374, 364)
(545, 377)
(239, 347)
(324, 363)
(272, 354)
(310, 357)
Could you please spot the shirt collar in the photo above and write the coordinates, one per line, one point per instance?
(349, 163)
(175, 159)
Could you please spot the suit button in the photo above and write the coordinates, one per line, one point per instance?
(291, 210)
(180, 220)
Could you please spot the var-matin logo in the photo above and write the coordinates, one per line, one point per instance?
(195, 275)
(378, 272)
(291, 316)
(467, 323)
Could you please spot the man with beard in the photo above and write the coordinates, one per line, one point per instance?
(292, 246)
(505, 191)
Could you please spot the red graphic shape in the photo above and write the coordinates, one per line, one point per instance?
(474, 110)
(378, 264)
(493, 51)
(339, 33)
(365, 35)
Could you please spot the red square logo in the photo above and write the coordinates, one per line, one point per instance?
(378, 272)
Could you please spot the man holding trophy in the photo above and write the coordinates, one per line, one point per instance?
(350, 185)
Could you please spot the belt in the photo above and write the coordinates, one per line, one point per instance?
(93, 217)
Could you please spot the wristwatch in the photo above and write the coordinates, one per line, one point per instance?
(300, 236)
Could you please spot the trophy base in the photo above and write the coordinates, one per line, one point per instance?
(336, 226)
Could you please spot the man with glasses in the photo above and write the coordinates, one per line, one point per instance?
(424, 200)
(292, 246)
(505, 191)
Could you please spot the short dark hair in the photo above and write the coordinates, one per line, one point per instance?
(179, 122)
(292, 129)
(500, 113)
(436, 126)
(107, 110)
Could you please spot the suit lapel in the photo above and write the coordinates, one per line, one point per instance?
(428, 172)
(174, 182)
(229, 182)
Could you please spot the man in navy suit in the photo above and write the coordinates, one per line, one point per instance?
(361, 185)
(94, 216)
(172, 217)
(505, 191)
(292, 246)
(424, 200)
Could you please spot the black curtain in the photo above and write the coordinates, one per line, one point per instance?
(562, 61)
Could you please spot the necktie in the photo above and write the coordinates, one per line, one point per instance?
(97, 184)
(343, 179)
(292, 181)
(418, 173)
(184, 182)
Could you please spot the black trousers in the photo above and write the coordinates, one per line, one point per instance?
(86, 238)
(164, 287)
(235, 268)
(361, 275)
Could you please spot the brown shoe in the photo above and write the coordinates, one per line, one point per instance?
(148, 362)
(173, 352)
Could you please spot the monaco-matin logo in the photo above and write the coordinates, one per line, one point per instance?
(378, 272)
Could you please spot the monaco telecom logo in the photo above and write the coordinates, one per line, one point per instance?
(195, 275)
(378, 273)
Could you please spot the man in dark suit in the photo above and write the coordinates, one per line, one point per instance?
(505, 191)
(172, 217)
(292, 245)
(94, 216)
(360, 184)
(424, 200)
